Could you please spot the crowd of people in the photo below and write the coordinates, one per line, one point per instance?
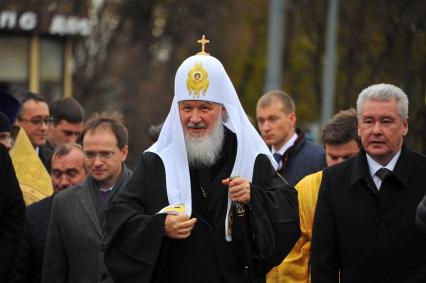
(213, 199)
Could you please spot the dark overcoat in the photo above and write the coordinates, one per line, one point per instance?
(366, 234)
(12, 213)
(138, 251)
(29, 258)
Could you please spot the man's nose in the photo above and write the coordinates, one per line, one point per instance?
(265, 126)
(64, 182)
(97, 161)
(195, 117)
(44, 126)
(377, 128)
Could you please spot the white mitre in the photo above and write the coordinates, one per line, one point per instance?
(202, 77)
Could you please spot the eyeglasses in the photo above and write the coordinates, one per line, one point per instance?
(38, 121)
(91, 155)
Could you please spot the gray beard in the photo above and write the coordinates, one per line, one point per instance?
(205, 151)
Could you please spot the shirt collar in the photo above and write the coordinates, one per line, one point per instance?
(107, 189)
(288, 144)
(373, 166)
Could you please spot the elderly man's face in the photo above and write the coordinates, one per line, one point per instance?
(382, 129)
(68, 170)
(199, 118)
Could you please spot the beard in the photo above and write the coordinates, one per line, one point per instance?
(205, 151)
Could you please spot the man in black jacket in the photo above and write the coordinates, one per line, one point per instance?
(364, 229)
(12, 213)
(205, 203)
(68, 169)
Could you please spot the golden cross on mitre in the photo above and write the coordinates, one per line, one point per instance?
(203, 41)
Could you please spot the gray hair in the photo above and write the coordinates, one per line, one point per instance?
(383, 92)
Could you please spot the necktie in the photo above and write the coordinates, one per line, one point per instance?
(104, 194)
(383, 172)
(278, 157)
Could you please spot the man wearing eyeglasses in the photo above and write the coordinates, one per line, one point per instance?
(68, 169)
(73, 248)
(34, 118)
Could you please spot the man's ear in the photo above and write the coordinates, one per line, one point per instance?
(293, 118)
(124, 151)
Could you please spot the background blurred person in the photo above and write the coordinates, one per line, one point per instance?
(341, 141)
(34, 117)
(276, 120)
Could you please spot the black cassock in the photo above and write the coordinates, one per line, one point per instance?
(138, 251)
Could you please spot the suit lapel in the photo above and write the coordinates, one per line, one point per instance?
(88, 207)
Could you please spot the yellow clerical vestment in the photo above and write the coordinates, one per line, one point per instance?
(33, 178)
(295, 267)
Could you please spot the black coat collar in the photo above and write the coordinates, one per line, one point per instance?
(401, 172)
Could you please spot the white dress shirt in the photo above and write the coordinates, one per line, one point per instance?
(373, 167)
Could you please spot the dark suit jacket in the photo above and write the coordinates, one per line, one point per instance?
(29, 259)
(369, 235)
(12, 212)
(45, 154)
(73, 252)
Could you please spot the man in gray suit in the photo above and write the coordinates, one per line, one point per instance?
(73, 250)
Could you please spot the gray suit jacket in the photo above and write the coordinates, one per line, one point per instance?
(73, 249)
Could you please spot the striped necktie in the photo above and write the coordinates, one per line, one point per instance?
(383, 172)
(278, 157)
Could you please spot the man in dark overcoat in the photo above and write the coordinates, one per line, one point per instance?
(12, 213)
(364, 228)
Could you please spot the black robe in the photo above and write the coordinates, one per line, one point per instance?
(138, 251)
(12, 213)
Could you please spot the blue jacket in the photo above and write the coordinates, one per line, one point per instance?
(301, 159)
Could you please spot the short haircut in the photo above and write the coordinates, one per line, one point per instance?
(66, 108)
(112, 121)
(25, 96)
(277, 95)
(341, 128)
(384, 92)
(65, 149)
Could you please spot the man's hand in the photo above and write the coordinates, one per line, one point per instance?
(178, 226)
(239, 189)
